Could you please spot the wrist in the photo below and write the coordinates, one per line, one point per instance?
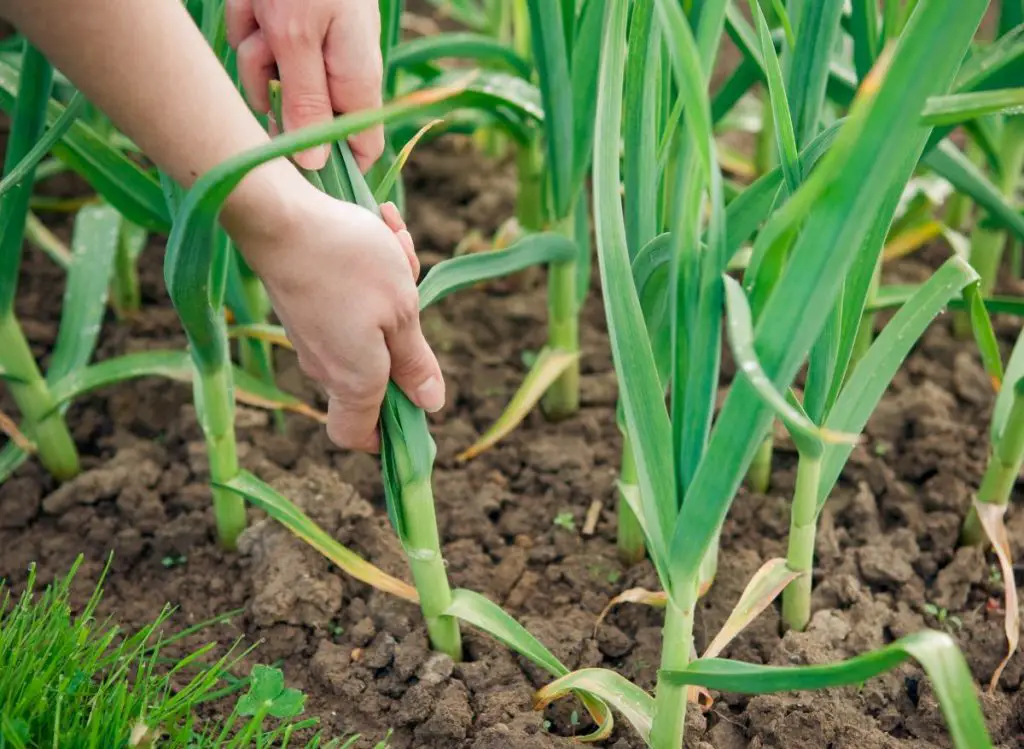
(264, 205)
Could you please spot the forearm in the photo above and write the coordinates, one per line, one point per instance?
(146, 65)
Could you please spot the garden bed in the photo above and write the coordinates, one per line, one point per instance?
(511, 524)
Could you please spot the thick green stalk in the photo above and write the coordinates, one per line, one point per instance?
(1003, 468)
(44, 424)
(667, 729)
(796, 598)
(563, 397)
(530, 198)
(215, 401)
(630, 534)
(427, 565)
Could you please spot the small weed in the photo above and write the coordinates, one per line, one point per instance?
(172, 561)
(951, 623)
(566, 520)
(995, 575)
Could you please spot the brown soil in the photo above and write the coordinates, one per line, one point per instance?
(887, 543)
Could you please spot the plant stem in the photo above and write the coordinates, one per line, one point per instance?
(215, 404)
(796, 598)
(866, 330)
(630, 534)
(530, 199)
(563, 397)
(669, 722)
(1001, 473)
(760, 472)
(127, 297)
(427, 565)
(44, 424)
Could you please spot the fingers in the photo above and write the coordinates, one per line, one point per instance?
(389, 212)
(355, 399)
(355, 76)
(306, 99)
(256, 68)
(414, 367)
(240, 20)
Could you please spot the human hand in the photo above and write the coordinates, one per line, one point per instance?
(343, 283)
(327, 56)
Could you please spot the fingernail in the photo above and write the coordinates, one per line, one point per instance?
(315, 158)
(430, 395)
(406, 239)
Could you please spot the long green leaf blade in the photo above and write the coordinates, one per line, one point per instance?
(872, 375)
(935, 651)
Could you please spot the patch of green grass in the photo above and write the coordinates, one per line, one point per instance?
(73, 681)
(566, 520)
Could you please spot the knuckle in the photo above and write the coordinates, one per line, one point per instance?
(291, 31)
(306, 104)
(405, 309)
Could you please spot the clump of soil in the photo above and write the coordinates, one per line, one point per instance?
(887, 545)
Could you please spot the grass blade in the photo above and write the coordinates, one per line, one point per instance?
(807, 76)
(387, 182)
(935, 651)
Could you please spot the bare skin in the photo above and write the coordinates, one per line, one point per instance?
(341, 280)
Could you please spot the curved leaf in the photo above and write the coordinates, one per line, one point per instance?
(294, 519)
(489, 617)
(739, 324)
(616, 690)
(872, 375)
(465, 45)
(992, 518)
(460, 272)
(935, 651)
(387, 182)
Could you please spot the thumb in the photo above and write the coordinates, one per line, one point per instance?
(414, 367)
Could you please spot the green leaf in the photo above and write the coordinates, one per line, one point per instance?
(984, 335)
(551, 56)
(93, 245)
(480, 612)
(585, 50)
(783, 123)
(640, 134)
(120, 181)
(875, 156)
(641, 392)
(174, 365)
(808, 71)
(295, 520)
(1004, 401)
(43, 145)
(864, 30)
(935, 651)
(953, 165)
(956, 108)
(739, 324)
(636, 705)
(463, 45)
(461, 272)
(872, 375)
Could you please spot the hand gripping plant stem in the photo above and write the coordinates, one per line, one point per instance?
(407, 448)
